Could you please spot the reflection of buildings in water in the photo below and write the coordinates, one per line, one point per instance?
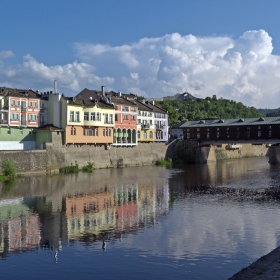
(122, 209)
(147, 204)
(126, 200)
(91, 213)
(19, 230)
(162, 200)
(23, 233)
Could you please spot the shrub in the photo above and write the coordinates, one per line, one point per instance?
(89, 167)
(69, 169)
(8, 168)
(162, 162)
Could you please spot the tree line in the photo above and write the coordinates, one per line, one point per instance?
(189, 109)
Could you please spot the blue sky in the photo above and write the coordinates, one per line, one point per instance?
(152, 48)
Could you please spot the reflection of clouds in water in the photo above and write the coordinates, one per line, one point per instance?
(199, 226)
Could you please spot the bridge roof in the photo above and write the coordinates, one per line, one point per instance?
(232, 122)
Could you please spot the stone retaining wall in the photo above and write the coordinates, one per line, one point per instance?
(59, 156)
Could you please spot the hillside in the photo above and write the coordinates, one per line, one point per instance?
(269, 112)
(189, 109)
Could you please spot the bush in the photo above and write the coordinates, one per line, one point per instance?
(8, 168)
(69, 169)
(162, 162)
(89, 167)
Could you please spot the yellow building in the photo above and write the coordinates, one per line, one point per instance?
(87, 121)
(145, 125)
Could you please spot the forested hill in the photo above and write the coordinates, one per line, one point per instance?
(269, 112)
(189, 109)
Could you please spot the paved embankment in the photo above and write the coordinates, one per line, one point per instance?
(267, 267)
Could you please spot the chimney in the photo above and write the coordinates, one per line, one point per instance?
(54, 86)
(103, 91)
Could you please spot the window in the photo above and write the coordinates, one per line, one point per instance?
(105, 118)
(151, 122)
(103, 132)
(73, 131)
(110, 132)
(151, 135)
(14, 117)
(71, 116)
(86, 116)
(13, 103)
(138, 134)
(32, 118)
(18, 103)
(116, 117)
(35, 104)
(30, 104)
(111, 118)
(125, 117)
(77, 117)
(98, 117)
(133, 117)
(92, 116)
(144, 134)
(139, 121)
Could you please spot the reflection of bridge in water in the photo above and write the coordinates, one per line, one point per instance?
(235, 132)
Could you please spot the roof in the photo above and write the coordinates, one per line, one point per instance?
(87, 94)
(121, 100)
(88, 103)
(232, 122)
(27, 93)
(49, 127)
(149, 107)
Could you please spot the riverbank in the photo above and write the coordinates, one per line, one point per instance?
(267, 267)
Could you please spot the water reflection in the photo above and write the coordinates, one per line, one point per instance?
(87, 207)
(166, 228)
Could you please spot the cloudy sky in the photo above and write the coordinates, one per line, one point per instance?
(151, 48)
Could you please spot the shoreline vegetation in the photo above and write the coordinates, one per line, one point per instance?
(75, 168)
(8, 170)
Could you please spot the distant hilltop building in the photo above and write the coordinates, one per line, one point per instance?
(178, 96)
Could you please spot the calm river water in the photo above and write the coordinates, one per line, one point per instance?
(154, 225)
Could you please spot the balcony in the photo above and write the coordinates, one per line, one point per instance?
(160, 126)
(14, 120)
(145, 126)
(4, 108)
(3, 121)
(108, 122)
(23, 109)
(74, 120)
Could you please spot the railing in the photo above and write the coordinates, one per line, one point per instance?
(23, 109)
(108, 122)
(4, 107)
(14, 120)
(145, 126)
(3, 121)
(74, 120)
(160, 126)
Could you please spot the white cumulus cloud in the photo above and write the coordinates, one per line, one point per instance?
(242, 69)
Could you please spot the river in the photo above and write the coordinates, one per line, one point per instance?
(145, 222)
